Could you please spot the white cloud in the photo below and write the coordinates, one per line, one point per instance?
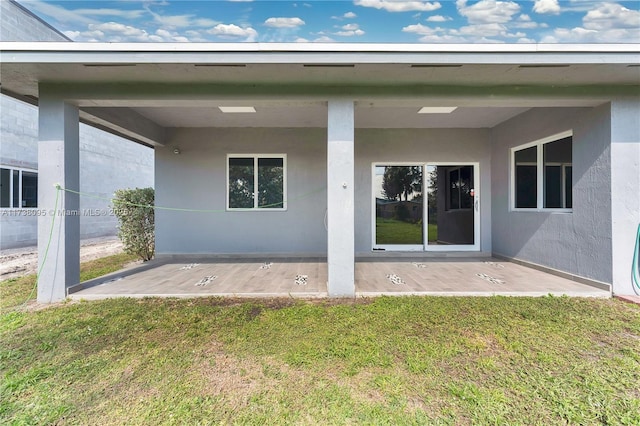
(444, 38)
(607, 23)
(611, 16)
(349, 33)
(168, 36)
(301, 40)
(580, 5)
(58, 13)
(399, 5)
(350, 27)
(324, 39)
(473, 32)
(115, 32)
(438, 18)
(483, 30)
(524, 22)
(173, 21)
(420, 29)
(347, 15)
(126, 14)
(488, 11)
(233, 31)
(179, 21)
(204, 22)
(73, 35)
(584, 35)
(481, 33)
(284, 22)
(195, 36)
(546, 6)
(350, 30)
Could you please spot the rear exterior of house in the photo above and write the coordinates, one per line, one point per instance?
(529, 153)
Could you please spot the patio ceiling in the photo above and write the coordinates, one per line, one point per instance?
(140, 89)
(282, 114)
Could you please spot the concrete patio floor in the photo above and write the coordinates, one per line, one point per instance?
(306, 278)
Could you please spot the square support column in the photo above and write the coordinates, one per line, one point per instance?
(340, 199)
(58, 226)
(625, 191)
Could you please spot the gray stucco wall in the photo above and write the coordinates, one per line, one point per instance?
(196, 179)
(578, 242)
(107, 162)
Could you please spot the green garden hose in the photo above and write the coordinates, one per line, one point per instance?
(635, 267)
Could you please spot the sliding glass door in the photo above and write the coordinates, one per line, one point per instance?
(433, 207)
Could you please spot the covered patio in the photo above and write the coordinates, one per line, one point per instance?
(307, 278)
(265, 152)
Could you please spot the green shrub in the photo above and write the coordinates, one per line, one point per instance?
(134, 210)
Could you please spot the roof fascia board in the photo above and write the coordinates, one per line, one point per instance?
(323, 47)
(260, 53)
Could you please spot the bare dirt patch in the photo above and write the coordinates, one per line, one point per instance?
(23, 261)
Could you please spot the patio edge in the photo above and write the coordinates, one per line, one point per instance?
(566, 275)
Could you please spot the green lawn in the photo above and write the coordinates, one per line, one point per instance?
(391, 231)
(410, 360)
(16, 291)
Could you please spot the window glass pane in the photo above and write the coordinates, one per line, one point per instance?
(241, 183)
(553, 187)
(454, 189)
(29, 189)
(558, 151)
(16, 188)
(5, 182)
(466, 184)
(556, 155)
(270, 183)
(526, 189)
(398, 197)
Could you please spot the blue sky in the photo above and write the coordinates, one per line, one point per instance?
(356, 21)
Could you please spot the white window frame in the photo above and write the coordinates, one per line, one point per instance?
(539, 144)
(255, 207)
(20, 170)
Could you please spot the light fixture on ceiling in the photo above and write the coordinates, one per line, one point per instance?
(176, 151)
(108, 65)
(328, 65)
(437, 110)
(436, 66)
(544, 66)
(237, 109)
